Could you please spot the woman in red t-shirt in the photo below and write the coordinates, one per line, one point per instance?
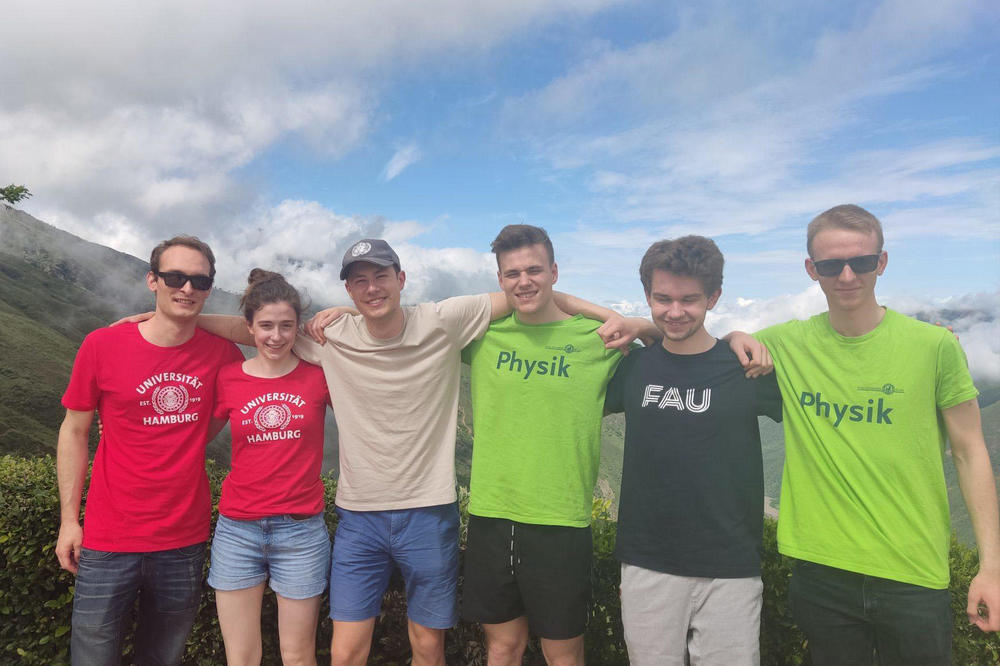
(271, 523)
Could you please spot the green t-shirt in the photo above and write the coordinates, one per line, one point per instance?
(537, 400)
(863, 486)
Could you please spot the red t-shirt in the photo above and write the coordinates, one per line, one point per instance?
(276, 425)
(148, 490)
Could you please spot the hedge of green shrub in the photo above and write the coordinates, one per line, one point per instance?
(36, 596)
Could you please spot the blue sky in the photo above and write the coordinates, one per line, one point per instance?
(281, 135)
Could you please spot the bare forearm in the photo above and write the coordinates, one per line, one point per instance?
(71, 470)
(975, 478)
(577, 306)
(229, 327)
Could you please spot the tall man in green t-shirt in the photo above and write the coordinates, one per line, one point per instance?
(864, 507)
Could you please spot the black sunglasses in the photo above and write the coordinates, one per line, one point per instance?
(176, 280)
(866, 263)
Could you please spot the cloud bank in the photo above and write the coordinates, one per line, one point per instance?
(975, 318)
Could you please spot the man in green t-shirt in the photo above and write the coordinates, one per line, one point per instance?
(869, 396)
(538, 382)
(539, 378)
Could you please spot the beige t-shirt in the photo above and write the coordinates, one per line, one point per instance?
(396, 402)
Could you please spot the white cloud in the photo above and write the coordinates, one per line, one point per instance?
(402, 158)
(726, 130)
(306, 242)
(975, 318)
(126, 119)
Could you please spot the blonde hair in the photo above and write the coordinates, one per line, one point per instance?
(845, 216)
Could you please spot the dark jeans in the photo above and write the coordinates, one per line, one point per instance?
(168, 585)
(850, 618)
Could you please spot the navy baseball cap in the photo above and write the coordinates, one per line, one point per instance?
(373, 250)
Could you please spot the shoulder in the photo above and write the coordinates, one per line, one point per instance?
(790, 328)
(111, 334)
(310, 371)
(914, 327)
(211, 340)
(459, 306)
(231, 371)
(639, 357)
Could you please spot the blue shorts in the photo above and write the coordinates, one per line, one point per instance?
(422, 542)
(294, 553)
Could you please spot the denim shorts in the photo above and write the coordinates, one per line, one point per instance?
(294, 553)
(422, 542)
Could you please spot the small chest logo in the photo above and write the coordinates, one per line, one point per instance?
(170, 398)
(566, 349)
(887, 389)
(361, 248)
(272, 417)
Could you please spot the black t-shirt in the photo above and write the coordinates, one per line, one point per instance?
(692, 481)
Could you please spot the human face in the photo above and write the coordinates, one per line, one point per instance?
(848, 290)
(184, 302)
(375, 289)
(273, 329)
(526, 276)
(678, 305)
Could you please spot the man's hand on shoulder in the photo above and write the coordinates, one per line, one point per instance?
(619, 332)
(983, 608)
(134, 319)
(752, 354)
(68, 545)
(323, 318)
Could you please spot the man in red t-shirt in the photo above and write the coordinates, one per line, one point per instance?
(148, 506)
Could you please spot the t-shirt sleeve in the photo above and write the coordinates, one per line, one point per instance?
(954, 383)
(465, 317)
(221, 410)
(82, 393)
(614, 400)
(767, 335)
(234, 355)
(307, 349)
(768, 396)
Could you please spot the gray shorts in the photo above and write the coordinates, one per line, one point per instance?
(681, 620)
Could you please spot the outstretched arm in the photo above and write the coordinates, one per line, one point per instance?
(230, 327)
(71, 471)
(618, 332)
(975, 477)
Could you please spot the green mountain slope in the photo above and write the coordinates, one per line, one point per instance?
(54, 289)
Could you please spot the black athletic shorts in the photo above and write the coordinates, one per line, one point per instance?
(541, 571)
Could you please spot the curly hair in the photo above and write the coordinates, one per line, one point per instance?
(689, 256)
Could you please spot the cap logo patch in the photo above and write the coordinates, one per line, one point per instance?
(361, 248)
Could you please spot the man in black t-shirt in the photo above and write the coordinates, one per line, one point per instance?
(690, 516)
